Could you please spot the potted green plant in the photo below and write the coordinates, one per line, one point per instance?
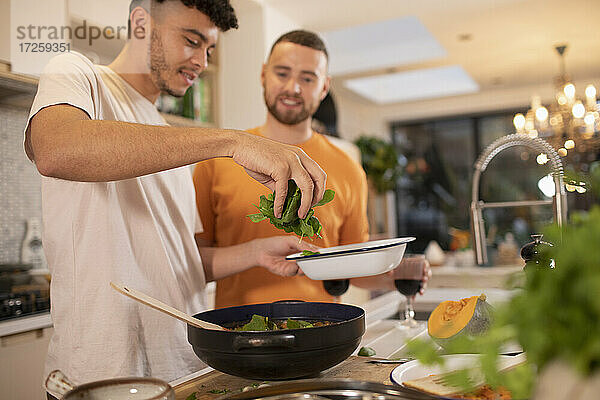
(380, 162)
(555, 318)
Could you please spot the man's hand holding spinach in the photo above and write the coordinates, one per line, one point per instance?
(289, 221)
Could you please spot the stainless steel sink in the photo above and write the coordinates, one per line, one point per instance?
(559, 201)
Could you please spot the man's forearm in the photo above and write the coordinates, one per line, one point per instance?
(221, 262)
(90, 150)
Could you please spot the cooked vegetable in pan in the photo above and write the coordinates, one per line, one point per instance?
(260, 323)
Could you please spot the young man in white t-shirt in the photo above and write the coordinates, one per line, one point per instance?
(119, 205)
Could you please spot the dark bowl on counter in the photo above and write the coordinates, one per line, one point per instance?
(281, 354)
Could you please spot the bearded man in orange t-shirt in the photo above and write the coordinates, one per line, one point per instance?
(294, 81)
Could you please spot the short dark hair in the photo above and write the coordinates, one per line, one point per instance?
(303, 38)
(220, 12)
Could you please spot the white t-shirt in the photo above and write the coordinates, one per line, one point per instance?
(137, 232)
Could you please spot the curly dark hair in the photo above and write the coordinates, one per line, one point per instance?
(220, 12)
(303, 38)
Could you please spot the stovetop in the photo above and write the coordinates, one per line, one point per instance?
(23, 303)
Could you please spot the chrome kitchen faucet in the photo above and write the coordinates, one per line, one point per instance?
(559, 201)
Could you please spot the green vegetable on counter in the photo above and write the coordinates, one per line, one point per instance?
(290, 222)
(218, 391)
(191, 396)
(367, 351)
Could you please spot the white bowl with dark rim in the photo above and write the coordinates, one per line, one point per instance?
(353, 260)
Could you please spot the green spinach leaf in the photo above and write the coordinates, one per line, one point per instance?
(261, 323)
(298, 324)
(327, 197)
(309, 253)
(257, 323)
(308, 226)
(257, 217)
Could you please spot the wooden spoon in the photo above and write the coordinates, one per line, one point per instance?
(160, 306)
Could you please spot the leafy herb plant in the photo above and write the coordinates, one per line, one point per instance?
(555, 317)
(380, 162)
(308, 226)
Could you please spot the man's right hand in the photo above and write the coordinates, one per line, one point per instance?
(273, 164)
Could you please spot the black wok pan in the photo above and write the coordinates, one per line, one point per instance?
(283, 354)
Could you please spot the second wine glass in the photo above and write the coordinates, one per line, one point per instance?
(408, 279)
(336, 288)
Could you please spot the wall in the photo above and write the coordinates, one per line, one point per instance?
(276, 25)
(105, 13)
(20, 196)
(240, 62)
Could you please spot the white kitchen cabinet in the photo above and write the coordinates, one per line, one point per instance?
(23, 356)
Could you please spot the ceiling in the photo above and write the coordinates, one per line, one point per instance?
(499, 43)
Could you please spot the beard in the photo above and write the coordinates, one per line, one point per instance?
(289, 117)
(159, 66)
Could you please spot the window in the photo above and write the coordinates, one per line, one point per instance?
(434, 194)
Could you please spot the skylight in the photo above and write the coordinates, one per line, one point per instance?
(414, 85)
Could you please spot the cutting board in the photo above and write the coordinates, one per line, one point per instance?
(215, 384)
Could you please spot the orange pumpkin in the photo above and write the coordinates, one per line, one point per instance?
(471, 316)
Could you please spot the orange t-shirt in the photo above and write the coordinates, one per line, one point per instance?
(225, 195)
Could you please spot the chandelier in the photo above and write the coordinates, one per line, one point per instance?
(571, 124)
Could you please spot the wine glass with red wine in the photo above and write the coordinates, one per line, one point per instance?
(408, 281)
(336, 287)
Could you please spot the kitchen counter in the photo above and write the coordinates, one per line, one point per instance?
(25, 324)
(472, 276)
(382, 333)
(213, 384)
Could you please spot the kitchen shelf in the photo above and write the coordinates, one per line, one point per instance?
(205, 92)
(16, 89)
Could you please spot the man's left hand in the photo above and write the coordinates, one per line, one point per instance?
(271, 253)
